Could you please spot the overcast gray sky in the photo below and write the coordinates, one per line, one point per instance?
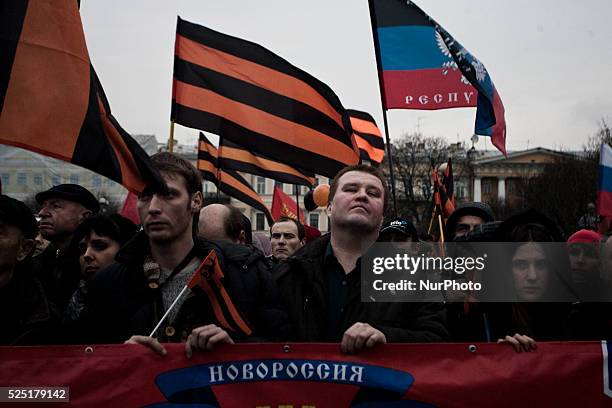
(551, 60)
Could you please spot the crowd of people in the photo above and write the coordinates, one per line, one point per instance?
(77, 277)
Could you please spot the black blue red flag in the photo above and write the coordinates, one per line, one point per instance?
(421, 66)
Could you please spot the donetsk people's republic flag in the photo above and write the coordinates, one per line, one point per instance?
(423, 67)
(251, 96)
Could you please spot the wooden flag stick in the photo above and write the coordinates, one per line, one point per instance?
(171, 140)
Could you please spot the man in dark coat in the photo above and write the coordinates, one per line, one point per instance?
(26, 316)
(132, 295)
(321, 284)
(62, 209)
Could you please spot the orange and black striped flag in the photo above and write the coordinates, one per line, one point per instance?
(449, 182)
(244, 93)
(228, 181)
(235, 157)
(441, 197)
(51, 100)
(367, 136)
(208, 278)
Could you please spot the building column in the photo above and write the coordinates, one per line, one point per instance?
(501, 188)
(477, 189)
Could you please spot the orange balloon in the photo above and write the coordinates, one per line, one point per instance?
(320, 195)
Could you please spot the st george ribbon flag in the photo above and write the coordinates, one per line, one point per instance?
(234, 157)
(421, 66)
(246, 94)
(367, 136)
(228, 181)
(604, 191)
(51, 100)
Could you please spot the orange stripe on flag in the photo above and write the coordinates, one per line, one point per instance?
(375, 154)
(233, 153)
(255, 74)
(131, 177)
(48, 93)
(364, 126)
(263, 123)
(231, 181)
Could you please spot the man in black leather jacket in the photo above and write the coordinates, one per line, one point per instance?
(321, 284)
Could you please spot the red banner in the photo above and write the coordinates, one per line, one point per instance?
(284, 206)
(316, 375)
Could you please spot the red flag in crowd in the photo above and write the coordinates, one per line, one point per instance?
(285, 206)
(129, 209)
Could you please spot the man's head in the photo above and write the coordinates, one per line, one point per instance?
(286, 236)
(223, 223)
(17, 233)
(466, 217)
(358, 198)
(62, 209)
(584, 252)
(172, 214)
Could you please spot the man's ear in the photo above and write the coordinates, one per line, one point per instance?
(303, 242)
(25, 249)
(85, 214)
(196, 202)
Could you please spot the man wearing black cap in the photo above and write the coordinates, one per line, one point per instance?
(398, 230)
(62, 209)
(26, 317)
(466, 217)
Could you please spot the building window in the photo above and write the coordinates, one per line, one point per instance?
(55, 180)
(278, 184)
(109, 182)
(511, 186)
(38, 179)
(260, 222)
(22, 179)
(74, 179)
(313, 220)
(316, 183)
(460, 191)
(487, 186)
(96, 181)
(261, 185)
(6, 179)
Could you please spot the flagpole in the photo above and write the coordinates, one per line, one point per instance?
(381, 86)
(297, 200)
(390, 161)
(218, 167)
(171, 140)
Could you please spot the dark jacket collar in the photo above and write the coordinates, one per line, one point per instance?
(135, 250)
